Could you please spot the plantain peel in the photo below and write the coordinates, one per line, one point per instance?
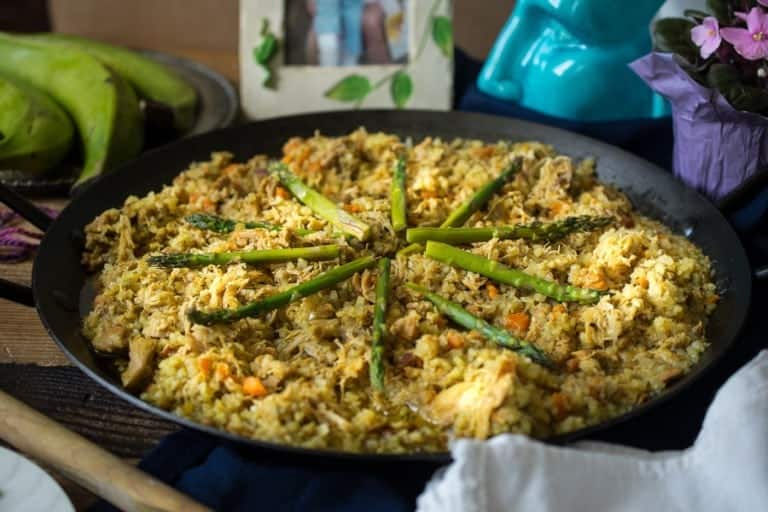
(35, 133)
(151, 80)
(101, 103)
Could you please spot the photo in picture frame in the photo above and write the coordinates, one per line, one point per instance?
(315, 55)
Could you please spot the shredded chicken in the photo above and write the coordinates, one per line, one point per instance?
(140, 363)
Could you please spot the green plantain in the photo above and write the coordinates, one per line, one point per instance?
(151, 80)
(102, 104)
(35, 133)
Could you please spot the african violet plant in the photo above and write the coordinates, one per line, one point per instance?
(725, 49)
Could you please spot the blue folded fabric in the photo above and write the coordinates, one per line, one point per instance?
(227, 476)
(231, 477)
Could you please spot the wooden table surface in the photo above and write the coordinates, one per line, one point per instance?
(35, 371)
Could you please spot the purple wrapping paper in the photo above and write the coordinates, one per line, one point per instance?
(716, 147)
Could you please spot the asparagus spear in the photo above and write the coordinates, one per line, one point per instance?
(460, 215)
(320, 252)
(321, 282)
(376, 367)
(222, 225)
(503, 274)
(320, 204)
(466, 319)
(397, 192)
(536, 231)
(409, 249)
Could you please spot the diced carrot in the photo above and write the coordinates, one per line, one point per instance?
(254, 387)
(518, 322)
(222, 371)
(572, 364)
(561, 404)
(428, 194)
(642, 281)
(353, 208)
(556, 207)
(282, 193)
(204, 365)
(596, 281)
(292, 144)
(484, 151)
(208, 205)
(492, 291)
(288, 158)
(193, 197)
(508, 366)
(304, 153)
(230, 169)
(454, 339)
(315, 166)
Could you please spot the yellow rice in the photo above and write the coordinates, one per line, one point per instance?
(441, 380)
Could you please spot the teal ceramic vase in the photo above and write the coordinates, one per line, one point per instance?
(569, 59)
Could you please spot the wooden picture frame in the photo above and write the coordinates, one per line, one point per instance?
(270, 87)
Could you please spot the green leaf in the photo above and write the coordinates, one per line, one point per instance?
(401, 88)
(350, 88)
(674, 35)
(263, 53)
(720, 9)
(727, 80)
(697, 72)
(442, 34)
(695, 14)
(267, 80)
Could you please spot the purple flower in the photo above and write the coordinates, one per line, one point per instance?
(751, 42)
(707, 36)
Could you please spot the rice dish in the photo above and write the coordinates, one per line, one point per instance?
(299, 374)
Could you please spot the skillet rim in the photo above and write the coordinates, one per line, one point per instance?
(102, 183)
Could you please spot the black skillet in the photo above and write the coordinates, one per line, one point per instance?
(59, 283)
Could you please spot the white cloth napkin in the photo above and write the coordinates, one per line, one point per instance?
(725, 470)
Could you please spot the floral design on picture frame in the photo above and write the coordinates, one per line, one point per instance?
(420, 77)
(265, 52)
(355, 87)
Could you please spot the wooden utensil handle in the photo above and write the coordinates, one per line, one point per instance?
(97, 470)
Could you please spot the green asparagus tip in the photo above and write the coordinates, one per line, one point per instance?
(171, 260)
(535, 231)
(318, 203)
(507, 275)
(254, 257)
(481, 197)
(199, 317)
(415, 287)
(252, 309)
(397, 195)
(211, 222)
(376, 366)
(410, 249)
(498, 335)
